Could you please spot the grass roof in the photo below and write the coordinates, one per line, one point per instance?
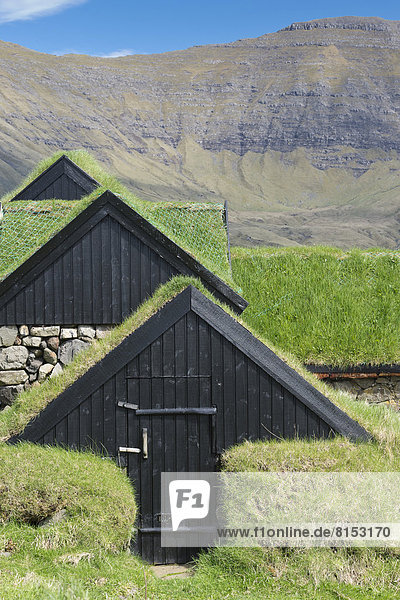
(198, 228)
(384, 424)
(324, 305)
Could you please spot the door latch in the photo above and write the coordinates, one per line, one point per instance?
(128, 405)
(132, 450)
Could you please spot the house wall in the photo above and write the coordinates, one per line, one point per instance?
(29, 355)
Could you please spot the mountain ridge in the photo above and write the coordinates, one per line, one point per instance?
(289, 123)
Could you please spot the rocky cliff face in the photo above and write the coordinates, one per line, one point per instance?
(286, 126)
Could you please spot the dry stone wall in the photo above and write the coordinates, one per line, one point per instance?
(376, 390)
(29, 355)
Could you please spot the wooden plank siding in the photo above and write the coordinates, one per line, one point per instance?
(98, 270)
(63, 180)
(91, 282)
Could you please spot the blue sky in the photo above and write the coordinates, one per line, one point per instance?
(104, 27)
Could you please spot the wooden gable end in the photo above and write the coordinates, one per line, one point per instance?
(63, 180)
(99, 269)
(183, 359)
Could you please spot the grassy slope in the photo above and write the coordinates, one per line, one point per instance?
(197, 228)
(322, 304)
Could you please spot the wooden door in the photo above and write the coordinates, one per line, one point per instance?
(173, 429)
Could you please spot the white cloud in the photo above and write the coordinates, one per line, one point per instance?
(117, 53)
(23, 10)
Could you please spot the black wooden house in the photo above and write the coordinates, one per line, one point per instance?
(174, 394)
(63, 180)
(98, 269)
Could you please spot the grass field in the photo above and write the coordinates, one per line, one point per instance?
(322, 304)
(84, 556)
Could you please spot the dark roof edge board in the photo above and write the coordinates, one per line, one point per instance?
(353, 370)
(14, 282)
(192, 299)
(63, 159)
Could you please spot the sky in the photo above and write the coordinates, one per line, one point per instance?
(121, 27)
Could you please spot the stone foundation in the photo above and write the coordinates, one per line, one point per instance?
(377, 390)
(28, 355)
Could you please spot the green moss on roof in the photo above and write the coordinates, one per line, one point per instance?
(384, 424)
(198, 228)
(322, 304)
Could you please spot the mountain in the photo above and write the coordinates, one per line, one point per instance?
(299, 129)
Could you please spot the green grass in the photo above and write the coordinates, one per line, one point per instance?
(36, 482)
(323, 305)
(85, 557)
(198, 228)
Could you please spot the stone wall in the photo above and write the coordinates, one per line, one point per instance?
(378, 389)
(28, 355)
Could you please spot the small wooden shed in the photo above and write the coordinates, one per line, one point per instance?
(187, 384)
(63, 180)
(98, 269)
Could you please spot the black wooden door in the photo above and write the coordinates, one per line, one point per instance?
(167, 438)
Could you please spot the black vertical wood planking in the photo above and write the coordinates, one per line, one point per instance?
(98, 420)
(265, 427)
(229, 394)
(48, 295)
(97, 273)
(85, 423)
(301, 419)
(61, 433)
(125, 271)
(109, 416)
(73, 429)
(106, 292)
(289, 423)
(121, 416)
(312, 424)
(253, 400)
(58, 283)
(240, 395)
(116, 275)
(277, 408)
(68, 284)
(217, 396)
(77, 283)
(87, 278)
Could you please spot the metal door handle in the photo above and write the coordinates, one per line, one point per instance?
(145, 449)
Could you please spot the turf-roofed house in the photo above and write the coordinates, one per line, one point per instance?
(175, 383)
(63, 179)
(72, 270)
